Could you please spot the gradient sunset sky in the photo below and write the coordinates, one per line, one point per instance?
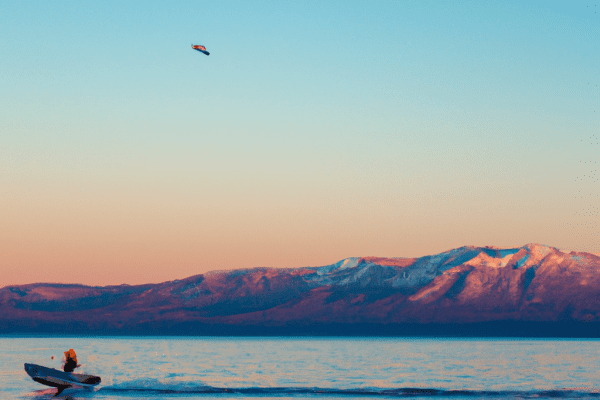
(314, 131)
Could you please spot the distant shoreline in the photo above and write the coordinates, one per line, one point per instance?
(497, 329)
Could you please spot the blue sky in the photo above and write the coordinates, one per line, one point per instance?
(313, 132)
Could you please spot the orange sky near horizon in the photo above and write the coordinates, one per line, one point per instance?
(149, 241)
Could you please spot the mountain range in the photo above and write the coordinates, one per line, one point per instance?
(533, 290)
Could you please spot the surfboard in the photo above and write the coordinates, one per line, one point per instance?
(60, 379)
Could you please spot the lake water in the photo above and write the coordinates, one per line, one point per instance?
(333, 368)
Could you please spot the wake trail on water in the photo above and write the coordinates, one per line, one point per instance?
(187, 388)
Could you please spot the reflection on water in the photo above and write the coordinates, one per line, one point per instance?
(306, 367)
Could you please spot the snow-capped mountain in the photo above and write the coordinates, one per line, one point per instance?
(532, 286)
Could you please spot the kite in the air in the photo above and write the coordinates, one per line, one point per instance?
(200, 48)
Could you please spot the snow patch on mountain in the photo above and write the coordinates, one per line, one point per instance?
(347, 263)
(522, 261)
(508, 252)
(483, 259)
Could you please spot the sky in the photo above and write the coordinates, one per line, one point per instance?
(314, 131)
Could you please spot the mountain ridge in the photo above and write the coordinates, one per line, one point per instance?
(531, 284)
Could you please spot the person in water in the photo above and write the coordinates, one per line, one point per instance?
(70, 361)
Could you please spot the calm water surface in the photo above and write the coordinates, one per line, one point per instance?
(196, 368)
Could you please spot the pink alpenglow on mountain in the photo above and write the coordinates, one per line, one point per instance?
(533, 290)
